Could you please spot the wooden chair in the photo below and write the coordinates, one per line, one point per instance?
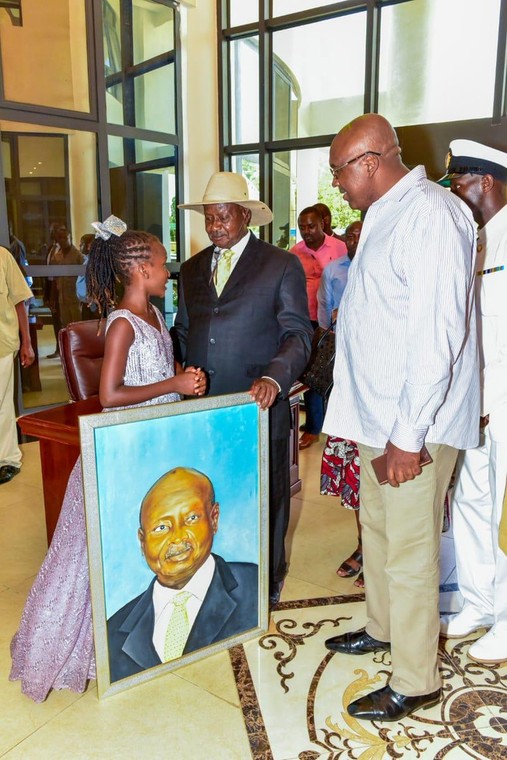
(82, 353)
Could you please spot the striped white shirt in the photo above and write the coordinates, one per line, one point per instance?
(406, 367)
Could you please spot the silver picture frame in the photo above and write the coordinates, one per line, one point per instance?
(126, 452)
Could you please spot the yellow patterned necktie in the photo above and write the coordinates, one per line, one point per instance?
(177, 628)
(223, 270)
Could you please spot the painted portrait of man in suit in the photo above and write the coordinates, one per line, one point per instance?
(196, 598)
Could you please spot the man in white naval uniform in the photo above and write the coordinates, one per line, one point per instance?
(478, 175)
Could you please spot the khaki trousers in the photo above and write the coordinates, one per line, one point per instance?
(401, 530)
(10, 453)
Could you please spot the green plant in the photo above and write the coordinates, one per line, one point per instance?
(341, 213)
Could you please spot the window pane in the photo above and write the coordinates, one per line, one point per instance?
(281, 7)
(152, 29)
(112, 60)
(155, 199)
(156, 206)
(112, 45)
(425, 80)
(248, 166)
(244, 77)
(146, 150)
(114, 104)
(154, 99)
(301, 178)
(6, 160)
(118, 177)
(41, 156)
(154, 203)
(243, 11)
(53, 184)
(115, 151)
(51, 66)
(318, 76)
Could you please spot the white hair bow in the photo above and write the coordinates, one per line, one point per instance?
(110, 226)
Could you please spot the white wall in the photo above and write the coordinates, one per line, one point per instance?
(200, 111)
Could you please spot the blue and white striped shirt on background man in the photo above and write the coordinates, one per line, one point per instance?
(406, 367)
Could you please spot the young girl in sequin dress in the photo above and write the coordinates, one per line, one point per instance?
(53, 647)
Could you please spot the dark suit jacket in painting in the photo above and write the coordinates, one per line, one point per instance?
(230, 607)
(259, 325)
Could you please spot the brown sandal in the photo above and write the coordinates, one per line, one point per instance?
(346, 569)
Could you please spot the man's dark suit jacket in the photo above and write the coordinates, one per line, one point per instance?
(259, 325)
(229, 607)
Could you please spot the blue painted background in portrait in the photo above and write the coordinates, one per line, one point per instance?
(221, 443)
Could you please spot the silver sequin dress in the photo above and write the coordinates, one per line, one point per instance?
(53, 647)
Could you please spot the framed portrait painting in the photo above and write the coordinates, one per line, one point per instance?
(177, 523)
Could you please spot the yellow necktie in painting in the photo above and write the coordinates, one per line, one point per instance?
(223, 271)
(178, 627)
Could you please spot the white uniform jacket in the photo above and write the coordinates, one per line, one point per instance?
(492, 322)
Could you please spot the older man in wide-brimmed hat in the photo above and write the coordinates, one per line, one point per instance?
(243, 317)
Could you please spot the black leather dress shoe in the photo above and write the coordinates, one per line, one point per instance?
(386, 704)
(7, 472)
(356, 642)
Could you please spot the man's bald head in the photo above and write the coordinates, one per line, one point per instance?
(365, 155)
(371, 131)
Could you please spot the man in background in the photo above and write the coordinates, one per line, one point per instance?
(334, 278)
(88, 310)
(18, 250)
(315, 251)
(327, 221)
(66, 253)
(14, 337)
(478, 175)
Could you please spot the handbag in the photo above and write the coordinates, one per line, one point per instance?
(318, 375)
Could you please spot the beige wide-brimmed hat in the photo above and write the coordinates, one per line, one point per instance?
(228, 187)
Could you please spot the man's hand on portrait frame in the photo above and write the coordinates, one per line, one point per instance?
(401, 465)
(264, 391)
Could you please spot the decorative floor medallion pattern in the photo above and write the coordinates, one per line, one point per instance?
(294, 694)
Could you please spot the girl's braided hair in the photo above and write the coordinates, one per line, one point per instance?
(111, 261)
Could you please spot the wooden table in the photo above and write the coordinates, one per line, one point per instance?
(58, 432)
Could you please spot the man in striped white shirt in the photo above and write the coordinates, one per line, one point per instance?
(406, 376)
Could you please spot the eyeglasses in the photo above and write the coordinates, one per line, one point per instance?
(335, 173)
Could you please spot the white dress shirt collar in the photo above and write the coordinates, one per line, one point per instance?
(240, 246)
(197, 586)
(163, 598)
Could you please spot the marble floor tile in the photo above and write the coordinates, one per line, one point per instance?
(23, 542)
(214, 675)
(168, 717)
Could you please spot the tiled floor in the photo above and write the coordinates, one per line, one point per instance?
(190, 714)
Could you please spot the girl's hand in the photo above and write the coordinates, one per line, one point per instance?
(191, 382)
(199, 380)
